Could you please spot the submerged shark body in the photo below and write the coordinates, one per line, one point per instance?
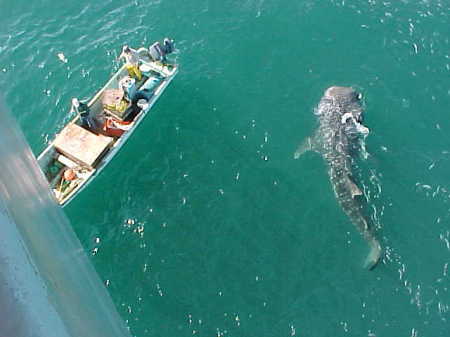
(340, 116)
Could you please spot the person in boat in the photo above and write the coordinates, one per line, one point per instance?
(141, 95)
(131, 57)
(140, 98)
(70, 175)
(68, 181)
(83, 110)
(158, 52)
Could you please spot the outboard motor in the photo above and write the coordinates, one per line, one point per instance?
(158, 52)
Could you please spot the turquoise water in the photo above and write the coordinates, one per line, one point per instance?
(204, 224)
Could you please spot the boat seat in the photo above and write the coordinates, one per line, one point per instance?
(66, 161)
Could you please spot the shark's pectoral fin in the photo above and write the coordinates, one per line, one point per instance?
(308, 145)
(303, 147)
(354, 190)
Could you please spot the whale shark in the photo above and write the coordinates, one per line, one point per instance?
(340, 117)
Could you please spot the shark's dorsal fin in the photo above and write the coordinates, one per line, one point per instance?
(354, 190)
(309, 144)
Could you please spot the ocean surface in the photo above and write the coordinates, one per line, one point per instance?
(204, 224)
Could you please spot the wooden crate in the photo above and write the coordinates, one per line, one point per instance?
(81, 145)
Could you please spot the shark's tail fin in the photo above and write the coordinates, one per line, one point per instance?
(374, 255)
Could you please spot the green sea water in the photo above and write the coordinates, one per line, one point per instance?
(204, 224)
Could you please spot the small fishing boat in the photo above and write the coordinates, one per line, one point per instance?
(87, 144)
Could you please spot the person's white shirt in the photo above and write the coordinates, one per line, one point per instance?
(130, 55)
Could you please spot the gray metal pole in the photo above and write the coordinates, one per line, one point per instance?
(48, 286)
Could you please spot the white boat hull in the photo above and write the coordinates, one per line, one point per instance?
(49, 154)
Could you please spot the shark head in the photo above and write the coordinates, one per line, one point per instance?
(342, 93)
(345, 96)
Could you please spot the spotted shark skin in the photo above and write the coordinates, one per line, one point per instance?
(340, 126)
